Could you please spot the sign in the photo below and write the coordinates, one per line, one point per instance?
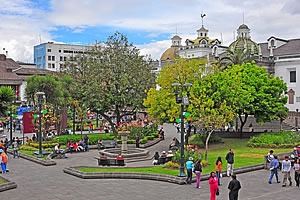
(28, 126)
(20, 110)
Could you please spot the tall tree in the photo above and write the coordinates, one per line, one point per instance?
(113, 77)
(6, 96)
(237, 57)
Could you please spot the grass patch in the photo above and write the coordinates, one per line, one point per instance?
(2, 181)
(30, 153)
(243, 156)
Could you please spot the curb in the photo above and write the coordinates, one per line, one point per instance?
(146, 176)
(8, 185)
(48, 162)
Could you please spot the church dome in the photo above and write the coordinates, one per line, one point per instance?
(170, 53)
(241, 43)
(243, 26)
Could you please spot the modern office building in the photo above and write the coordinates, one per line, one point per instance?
(52, 56)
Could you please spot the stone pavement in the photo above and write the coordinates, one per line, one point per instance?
(36, 182)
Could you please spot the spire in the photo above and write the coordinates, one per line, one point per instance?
(202, 17)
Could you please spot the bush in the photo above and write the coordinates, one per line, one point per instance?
(187, 154)
(200, 139)
(276, 139)
(74, 138)
(204, 163)
(47, 145)
(171, 164)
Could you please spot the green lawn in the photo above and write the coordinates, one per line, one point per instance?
(244, 156)
(2, 181)
(30, 153)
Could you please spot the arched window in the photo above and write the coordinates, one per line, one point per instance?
(272, 43)
(203, 42)
(201, 34)
(291, 94)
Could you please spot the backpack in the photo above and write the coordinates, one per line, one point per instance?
(4, 157)
(198, 167)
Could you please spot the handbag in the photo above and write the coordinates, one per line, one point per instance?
(218, 192)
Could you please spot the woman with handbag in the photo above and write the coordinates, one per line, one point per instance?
(213, 181)
(219, 169)
(197, 171)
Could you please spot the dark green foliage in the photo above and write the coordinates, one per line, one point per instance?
(276, 139)
(187, 154)
(6, 97)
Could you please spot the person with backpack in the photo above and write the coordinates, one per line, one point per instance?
(197, 171)
(218, 169)
(3, 160)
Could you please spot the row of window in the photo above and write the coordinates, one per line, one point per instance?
(67, 51)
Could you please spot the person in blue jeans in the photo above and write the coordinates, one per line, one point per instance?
(189, 168)
(274, 169)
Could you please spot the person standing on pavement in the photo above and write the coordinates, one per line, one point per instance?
(213, 182)
(274, 170)
(91, 128)
(286, 171)
(198, 170)
(3, 161)
(219, 169)
(234, 187)
(137, 141)
(230, 161)
(15, 148)
(297, 172)
(86, 142)
(189, 168)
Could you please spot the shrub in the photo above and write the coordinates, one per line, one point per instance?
(276, 139)
(74, 138)
(204, 163)
(187, 154)
(172, 165)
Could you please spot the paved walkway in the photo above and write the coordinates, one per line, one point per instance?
(36, 182)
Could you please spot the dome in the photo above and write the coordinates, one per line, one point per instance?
(176, 37)
(243, 26)
(170, 53)
(240, 44)
(202, 29)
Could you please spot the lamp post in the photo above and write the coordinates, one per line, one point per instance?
(40, 96)
(11, 119)
(183, 101)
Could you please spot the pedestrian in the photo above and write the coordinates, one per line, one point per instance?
(162, 133)
(230, 161)
(91, 128)
(219, 169)
(274, 170)
(234, 187)
(3, 161)
(189, 168)
(198, 170)
(270, 156)
(137, 141)
(286, 171)
(86, 142)
(14, 125)
(6, 143)
(15, 148)
(297, 172)
(213, 181)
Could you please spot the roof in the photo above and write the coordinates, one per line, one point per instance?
(6, 67)
(239, 45)
(292, 47)
(243, 26)
(202, 29)
(176, 37)
(283, 40)
(170, 53)
(199, 39)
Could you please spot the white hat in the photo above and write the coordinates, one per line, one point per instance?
(163, 152)
(170, 151)
(191, 158)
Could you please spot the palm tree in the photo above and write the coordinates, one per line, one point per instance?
(236, 58)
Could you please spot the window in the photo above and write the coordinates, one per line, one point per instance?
(272, 43)
(39, 59)
(65, 58)
(61, 58)
(53, 58)
(297, 99)
(292, 76)
(49, 50)
(59, 51)
(49, 57)
(205, 34)
(53, 66)
(49, 65)
(201, 34)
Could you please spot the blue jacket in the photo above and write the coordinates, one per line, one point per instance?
(189, 164)
(274, 163)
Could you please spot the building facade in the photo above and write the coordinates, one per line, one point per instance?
(52, 56)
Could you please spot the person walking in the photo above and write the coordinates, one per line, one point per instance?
(218, 169)
(230, 161)
(274, 170)
(286, 171)
(3, 161)
(198, 170)
(91, 128)
(189, 168)
(213, 182)
(234, 187)
(86, 142)
(15, 148)
(270, 156)
(297, 172)
(137, 141)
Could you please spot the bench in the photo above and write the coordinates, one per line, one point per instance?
(58, 154)
(111, 162)
(107, 144)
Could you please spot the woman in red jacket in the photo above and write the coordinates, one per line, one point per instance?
(213, 181)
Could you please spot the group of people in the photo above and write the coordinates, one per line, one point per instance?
(286, 168)
(163, 156)
(81, 145)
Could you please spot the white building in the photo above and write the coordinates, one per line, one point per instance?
(52, 56)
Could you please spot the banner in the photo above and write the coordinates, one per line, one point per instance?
(28, 126)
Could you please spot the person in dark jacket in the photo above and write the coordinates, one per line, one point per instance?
(230, 161)
(234, 187)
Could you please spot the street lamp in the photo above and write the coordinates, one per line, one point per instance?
(40, 96)
(184, 101)
(10, 121)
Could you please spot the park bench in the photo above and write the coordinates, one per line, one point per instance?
(57, 154)
(111, 162)
(107, 144)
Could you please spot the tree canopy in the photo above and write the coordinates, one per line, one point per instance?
(6, 96)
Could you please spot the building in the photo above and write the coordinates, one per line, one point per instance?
(14, 75)
(52, 56)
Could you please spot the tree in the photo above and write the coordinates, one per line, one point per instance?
(282, 114)
(6, 96)
(113, 77)
(251, 91)
(237, 58)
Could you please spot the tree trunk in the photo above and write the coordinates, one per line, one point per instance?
(110, 122)
(206, 144)
(188, 134)
(81, 128)
(243, 123)
(118, 116)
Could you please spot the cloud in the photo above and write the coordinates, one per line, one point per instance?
(292, 7)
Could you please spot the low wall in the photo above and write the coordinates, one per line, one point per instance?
(48, 162)
(236, 134)
(8, 185)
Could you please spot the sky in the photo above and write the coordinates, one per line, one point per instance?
(148, 24)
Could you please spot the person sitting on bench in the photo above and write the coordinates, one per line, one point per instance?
(61, 151)
(71, 146)
(100, 144)
(115, 143)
